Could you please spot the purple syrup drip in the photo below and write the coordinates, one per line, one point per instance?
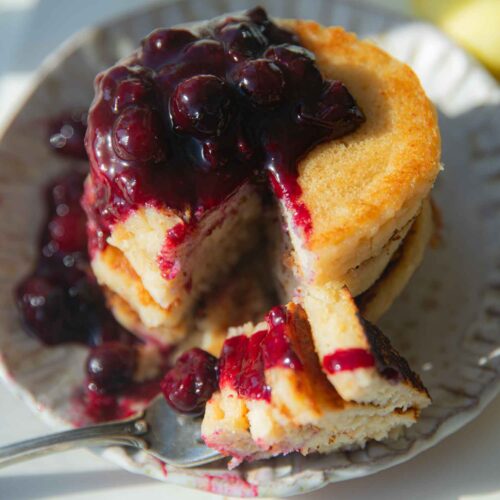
(245, 359)
(348, 360)
(60, 301)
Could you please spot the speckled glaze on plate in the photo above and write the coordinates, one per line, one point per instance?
(447, 322)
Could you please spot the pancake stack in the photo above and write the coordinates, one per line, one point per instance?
(367, 195)
(277, 395)
(363, 192)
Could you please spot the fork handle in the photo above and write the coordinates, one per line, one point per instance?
(125, 433)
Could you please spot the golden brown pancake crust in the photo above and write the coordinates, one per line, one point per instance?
(365, 185)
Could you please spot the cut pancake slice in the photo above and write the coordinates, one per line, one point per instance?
(161, 265)
(274, 397)
(354, 354)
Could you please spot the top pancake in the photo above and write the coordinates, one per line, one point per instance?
(361, 188)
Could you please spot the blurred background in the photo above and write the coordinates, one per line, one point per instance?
(31, 29)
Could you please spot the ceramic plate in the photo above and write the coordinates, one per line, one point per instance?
(447, 322)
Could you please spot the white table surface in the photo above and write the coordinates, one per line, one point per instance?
(464, 466)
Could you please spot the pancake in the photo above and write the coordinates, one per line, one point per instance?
(139, 248)
(242, 297)
(363, 187)
(273, 397)
(357, 280)
(343, 339)
(362, 277)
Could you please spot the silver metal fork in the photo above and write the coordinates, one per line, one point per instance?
(158, 430)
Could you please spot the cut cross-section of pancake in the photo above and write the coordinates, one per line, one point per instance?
(274, 398)
(161, 266)
(386, 276)
(243, 296)
(357, 280)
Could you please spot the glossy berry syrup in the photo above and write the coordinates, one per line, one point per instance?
(380, 356)
(195, 113)
(244, 359)
(347, 360)
(61, 302)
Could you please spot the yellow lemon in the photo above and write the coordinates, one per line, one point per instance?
(475, 24)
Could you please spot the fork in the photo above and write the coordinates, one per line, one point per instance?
(158, 430)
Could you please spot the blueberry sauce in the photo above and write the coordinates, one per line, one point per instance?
(98, 406)
(347, 360)
(111, 390)
(61, 302)
(167, 261)
(380, 355)
(242, 366)
(191, 382)
(276, 348)
(244, 359)
(194, 114)
(111, 367)
(66, 134)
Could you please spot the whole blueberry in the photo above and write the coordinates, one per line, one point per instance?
(262, 81)
(42, 304)
(201, 105)
(111, 366)
(336, 105)
(136, 135)
(206, 57)
(163, 45)
(68, 232)
(131, 91)
(299, 66)
(191, 382)
(242, 40)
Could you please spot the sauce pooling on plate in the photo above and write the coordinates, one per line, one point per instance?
(61, 302)
(185, 121)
